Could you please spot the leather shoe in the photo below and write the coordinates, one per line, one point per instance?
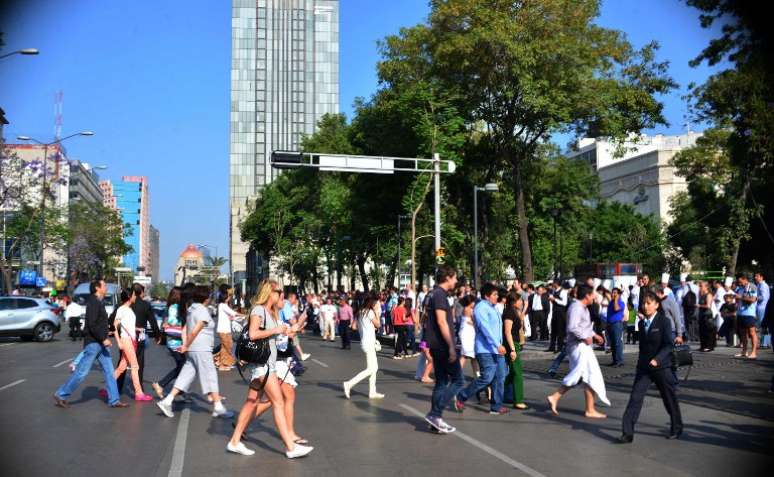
(625, 439)
(59, 402)
(119, 404)
(675, 435)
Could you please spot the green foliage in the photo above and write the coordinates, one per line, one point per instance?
(95, 235)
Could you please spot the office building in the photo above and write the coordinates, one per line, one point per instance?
(284, 78)
(131, 197)
(155, 240)
(638, 172)
(84, 184)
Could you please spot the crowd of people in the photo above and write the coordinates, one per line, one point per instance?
(446, 327)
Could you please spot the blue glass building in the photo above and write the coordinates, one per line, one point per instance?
(128, 196)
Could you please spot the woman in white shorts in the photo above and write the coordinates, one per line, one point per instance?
(265, 323)
(468, 334)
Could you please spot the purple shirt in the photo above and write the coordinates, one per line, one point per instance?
(345, 313)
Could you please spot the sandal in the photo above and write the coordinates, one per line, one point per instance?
(521, 407)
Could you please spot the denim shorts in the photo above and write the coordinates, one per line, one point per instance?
(747, 321)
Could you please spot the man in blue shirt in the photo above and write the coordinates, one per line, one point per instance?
(615, 316)
(764, 292)
(490, 352)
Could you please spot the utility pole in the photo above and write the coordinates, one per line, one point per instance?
(437, 201)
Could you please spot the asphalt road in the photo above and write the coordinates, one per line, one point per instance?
(728, 414)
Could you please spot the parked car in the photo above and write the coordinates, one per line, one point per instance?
(28, 318)
(110, 300)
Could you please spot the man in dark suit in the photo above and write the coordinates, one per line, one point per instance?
(144, 316)
(653, 366)
(538, 308)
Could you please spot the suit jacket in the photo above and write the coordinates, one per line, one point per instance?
(543, 300)
(656, 343)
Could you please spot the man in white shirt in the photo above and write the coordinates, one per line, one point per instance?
(328, 314)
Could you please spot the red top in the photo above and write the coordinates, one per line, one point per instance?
(399, 316)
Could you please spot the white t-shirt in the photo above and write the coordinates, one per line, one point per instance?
(225, 315)
(128, 319)
(367, 330)
(328, 311)
(74, 310)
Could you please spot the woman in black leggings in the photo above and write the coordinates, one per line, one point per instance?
(173, 327)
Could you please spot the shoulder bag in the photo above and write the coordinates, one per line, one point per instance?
(253, 351)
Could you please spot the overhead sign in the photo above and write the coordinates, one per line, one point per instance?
(41, 282)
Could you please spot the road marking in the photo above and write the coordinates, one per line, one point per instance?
(6, 344)
(63, 362)
(12, 384)
(178, 454)
(320, 363)
(476, 443)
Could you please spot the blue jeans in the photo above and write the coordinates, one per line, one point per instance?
(558, 360)
(92, 352)
(615, 334)
(448, 381)
(493, 371)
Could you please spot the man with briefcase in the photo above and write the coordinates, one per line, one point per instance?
(653, 366)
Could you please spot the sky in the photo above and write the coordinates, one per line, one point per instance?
(151, 79)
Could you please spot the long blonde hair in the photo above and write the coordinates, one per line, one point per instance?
(265, 289)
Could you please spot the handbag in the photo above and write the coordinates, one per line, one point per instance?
(253, 351)
(682, 356)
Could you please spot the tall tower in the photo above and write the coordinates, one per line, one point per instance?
(284, 77)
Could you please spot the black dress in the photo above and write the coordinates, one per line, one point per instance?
(707, 331)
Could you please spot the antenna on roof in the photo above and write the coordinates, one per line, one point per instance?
(58, 99)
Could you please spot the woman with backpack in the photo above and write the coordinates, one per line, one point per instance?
(272, 378)
(367, 323)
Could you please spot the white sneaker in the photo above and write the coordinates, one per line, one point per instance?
(347, 388)
(305, 356)
(222, 412)
(376, 396)
(166, 408)
(239, 449)
(299, 451)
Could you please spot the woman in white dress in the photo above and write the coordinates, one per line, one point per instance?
(367, 323)
(467, 334)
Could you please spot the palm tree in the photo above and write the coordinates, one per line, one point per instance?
(214, 264)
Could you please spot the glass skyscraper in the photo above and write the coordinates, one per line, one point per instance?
(284, 77)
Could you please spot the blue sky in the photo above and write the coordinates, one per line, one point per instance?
(151, 79)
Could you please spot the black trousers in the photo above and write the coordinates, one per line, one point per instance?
(666, 382)
(346, 334)
(140, 352)
(707, 333)
(558, 329)
(172, 375)
(538, 321)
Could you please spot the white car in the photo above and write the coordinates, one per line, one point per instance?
(28, 318)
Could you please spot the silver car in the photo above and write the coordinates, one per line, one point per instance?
(28, 318)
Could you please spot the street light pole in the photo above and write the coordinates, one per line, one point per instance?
(491, 187)
(44, 185)
(437, 201)
(25, 51)
(399, 237)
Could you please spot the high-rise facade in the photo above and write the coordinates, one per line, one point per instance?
(155, 242)
(284, 78)
(131, 197)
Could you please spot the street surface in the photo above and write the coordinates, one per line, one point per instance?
(728, 414)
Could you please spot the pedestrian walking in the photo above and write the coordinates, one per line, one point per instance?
(441, 343)
(225, 358)
(559, 300)
(583, 363)
(539, 306)
(654, 365)
(144, 317)
(513, 339)
(707, 330)
(175, 338)
(367, 324)
(490, 352)
(269, 378)
(344, 323)
(467, 334)
(125, 329)
(399, 323)
(96, 347)
(200, 328)
(763, 294)
(328, 314)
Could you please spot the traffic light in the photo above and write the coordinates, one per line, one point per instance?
(441, 252)
(286, 159)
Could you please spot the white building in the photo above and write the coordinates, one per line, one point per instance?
(637, 172)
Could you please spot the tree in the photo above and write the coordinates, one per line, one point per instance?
(734, 160)
(97, 234)
(526, 70)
